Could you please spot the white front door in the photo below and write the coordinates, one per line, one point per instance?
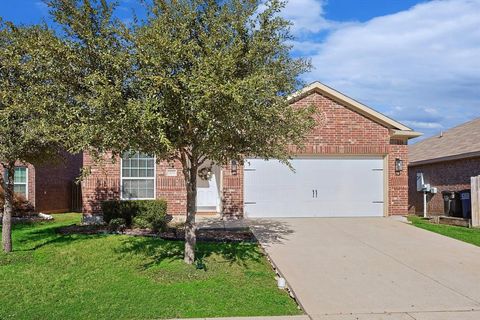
(319, 187)
(208, 196)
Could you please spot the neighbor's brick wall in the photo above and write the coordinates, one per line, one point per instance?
(49, 186)
(31, 185)
(30, 180)
(53, 184)
(448, 175)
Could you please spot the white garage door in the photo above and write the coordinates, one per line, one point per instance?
(325, 187)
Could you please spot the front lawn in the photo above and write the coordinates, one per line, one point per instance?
(461, 233)
(50, 276)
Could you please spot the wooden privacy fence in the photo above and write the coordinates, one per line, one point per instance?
(76, 197)
(475, 201)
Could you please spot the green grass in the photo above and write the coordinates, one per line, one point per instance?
(50, 276)
(461, 233)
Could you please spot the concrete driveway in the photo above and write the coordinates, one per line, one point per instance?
(373, 268)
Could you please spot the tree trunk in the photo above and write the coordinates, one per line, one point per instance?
(8, 209)
(190, 227)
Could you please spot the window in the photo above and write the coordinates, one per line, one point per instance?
(138, 176)
(20, 181)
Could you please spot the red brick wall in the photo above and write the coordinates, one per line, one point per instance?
(30, 180)
(398, 181)
(340, 131)
(103, 183)
(53, 184)
(172, 188)
(232, 197)
(449, 175)
(49, 186)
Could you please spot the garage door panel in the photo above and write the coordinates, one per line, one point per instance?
(325, 187)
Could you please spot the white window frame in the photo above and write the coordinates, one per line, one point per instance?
(154, 178)
(26, 180)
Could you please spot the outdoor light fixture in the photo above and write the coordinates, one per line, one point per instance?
(234, 167)
(398, 165)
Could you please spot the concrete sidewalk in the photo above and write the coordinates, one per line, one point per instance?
(450, 315)
(373, 268)
(255, 318)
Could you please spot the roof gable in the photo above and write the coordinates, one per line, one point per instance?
(397, 127)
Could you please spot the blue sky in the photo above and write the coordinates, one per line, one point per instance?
(414, 60)
(32, 11)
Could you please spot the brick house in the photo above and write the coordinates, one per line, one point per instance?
(447, 161)
(49, 187)
(351, 166)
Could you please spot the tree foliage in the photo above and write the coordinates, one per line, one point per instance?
(102, 80)
(31, 120)
(32, 113)
(219, 73)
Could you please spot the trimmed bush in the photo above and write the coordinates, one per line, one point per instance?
(141, 223)
(117, 224)
(146, 214)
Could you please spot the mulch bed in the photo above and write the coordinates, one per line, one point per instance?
(207, 235)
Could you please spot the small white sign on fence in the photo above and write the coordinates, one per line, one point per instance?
(476, 201)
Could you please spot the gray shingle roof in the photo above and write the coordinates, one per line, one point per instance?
(458, 142)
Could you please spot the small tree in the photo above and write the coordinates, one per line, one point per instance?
(32, 121)
(214, 77)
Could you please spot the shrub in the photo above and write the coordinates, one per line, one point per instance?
(21, 206)
(140, 222)
(148, 214)
(117, 224)
(111, 210)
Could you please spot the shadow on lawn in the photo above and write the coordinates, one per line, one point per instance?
(36, 238)
(158, 251)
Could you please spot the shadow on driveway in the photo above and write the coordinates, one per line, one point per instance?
(269, 232)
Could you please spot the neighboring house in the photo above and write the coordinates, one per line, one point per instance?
(351, 166)
(49, 188)
(447, 162)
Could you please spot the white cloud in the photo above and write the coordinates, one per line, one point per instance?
(307, 16)
(420, 66)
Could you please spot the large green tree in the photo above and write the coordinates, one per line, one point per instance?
(199, 80)
(214, 77)
(32, 118)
